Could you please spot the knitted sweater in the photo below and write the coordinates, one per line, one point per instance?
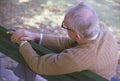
(99, 56)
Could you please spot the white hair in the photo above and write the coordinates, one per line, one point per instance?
(83, 20)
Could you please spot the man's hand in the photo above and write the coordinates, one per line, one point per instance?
(22, 34)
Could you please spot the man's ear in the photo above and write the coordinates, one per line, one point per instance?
(78, 37)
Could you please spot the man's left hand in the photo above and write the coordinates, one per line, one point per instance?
(15, 38)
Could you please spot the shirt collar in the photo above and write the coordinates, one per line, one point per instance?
(94, 37)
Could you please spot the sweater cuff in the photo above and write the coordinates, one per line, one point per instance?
(22, 43)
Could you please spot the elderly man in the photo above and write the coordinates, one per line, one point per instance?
(96, 48)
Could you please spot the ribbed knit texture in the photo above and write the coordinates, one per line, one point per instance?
(99, 56)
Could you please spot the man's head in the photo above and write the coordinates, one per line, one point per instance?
(81, 22)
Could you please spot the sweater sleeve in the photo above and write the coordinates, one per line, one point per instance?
(57, 43)
(68, 61)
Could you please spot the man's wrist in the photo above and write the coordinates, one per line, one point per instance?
(22, 43)
(36, 38)
(41, 37)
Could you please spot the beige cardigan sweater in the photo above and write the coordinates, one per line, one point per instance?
(99, 56)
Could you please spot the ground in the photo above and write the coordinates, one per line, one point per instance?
(46, 16)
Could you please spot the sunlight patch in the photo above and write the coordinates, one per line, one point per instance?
(22, 1)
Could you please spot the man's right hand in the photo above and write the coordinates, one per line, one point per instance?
(22, 34)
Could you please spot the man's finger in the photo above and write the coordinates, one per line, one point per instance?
(25, 38)
(10, 32)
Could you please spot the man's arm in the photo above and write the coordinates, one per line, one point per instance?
(68, 61)
(57, 43)
(53, 42)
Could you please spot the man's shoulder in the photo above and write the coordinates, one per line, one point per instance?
(103, 26)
